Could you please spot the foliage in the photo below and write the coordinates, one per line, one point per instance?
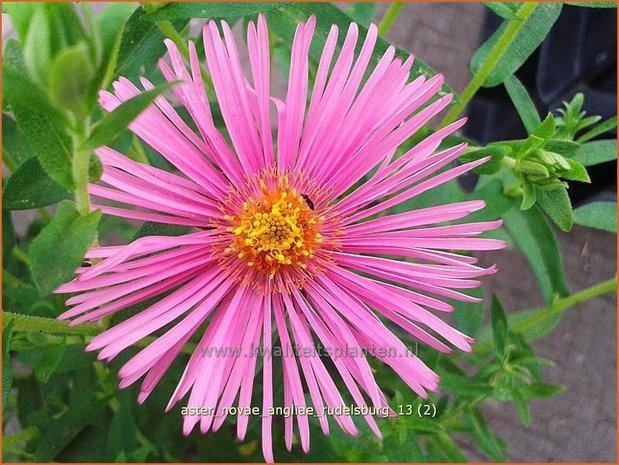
(67, 407)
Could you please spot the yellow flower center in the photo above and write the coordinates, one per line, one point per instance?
(277, 229)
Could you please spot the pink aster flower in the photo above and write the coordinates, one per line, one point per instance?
(284, 250)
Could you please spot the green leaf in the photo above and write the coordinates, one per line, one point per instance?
(21, 14)
(546, 128)
(449, 449)
(492, 166)
(522, 406)
(538, 243)
(541, 390)
(599, 151)
(496, 202)
(66, 27)
(283, 22)
(469, 317)
(37, 50)
(8, 237)
(60, 247)
(529, 195)
(600, 129)
(577, 172)
(499, 324)
(594, 4)
(110, 24)
(113, 124)
(505, 10)
(160, 229)
(70, 77)
(50, 360)
(598, 215)
(523, 103)
(487, 442)
(141, 46)
(122, 431)
(84, 409)
(19, 90)
(402, 450)
(565, 148)
(362, 12)
(211, 10)
(7, 371)
(556, 204)
(15, 149)
(49, 142)
(30, 187)
(533, 31)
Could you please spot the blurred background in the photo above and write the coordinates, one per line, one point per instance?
(579, 55)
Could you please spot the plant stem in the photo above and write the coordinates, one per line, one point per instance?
(390, 16)
(22, 256)
(37, 324)
(495, 55)
(557, 307)
(81, 162)
(561, 305)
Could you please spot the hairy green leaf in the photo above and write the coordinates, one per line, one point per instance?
(533, 31)
(505, 10)
(556, 204)
(30, 187)
(499, 324)
(49, 142)
(362, 12)
(600, 129)
(15, 149)
(37, 46)
(538, 243)
(211, 10)
(159, 229)
(60, 247)
(598, 215)
(541, 390)
(70, 77)
(8, 236)
(523, 103)
(594, 4)
(50, 360)
(141, 46)
(596, 152)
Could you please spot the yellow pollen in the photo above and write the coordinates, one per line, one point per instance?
(276, 230)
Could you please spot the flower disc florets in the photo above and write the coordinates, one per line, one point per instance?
(274, 226)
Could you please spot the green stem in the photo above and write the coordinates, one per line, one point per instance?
(81, 162)
(390, 16)
(37, 324)
(22, 256)
(557, 307)
(560, 305)
(495, 55)
(80, 165)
